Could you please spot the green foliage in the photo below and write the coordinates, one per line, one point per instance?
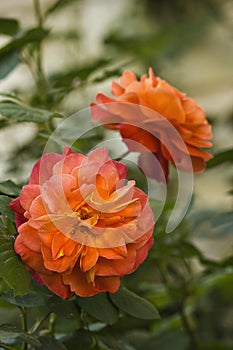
(134, 305)
(180, 297)
(100, 307)
(22, 113)
(8, 26)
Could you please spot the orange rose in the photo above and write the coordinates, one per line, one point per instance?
(81, 227)
(167, 124)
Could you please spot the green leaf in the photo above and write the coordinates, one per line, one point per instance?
(8, 331)
(134, 305)
(9, 54)
(48, 342)
(80, 339)
(100, 307)
(22, 113)
(8, 62)
(64, 308)
(59, 4)
(8, 26)
(29, 300)
(13, 271)
(10, 188)
(4, 208)
(220, 158)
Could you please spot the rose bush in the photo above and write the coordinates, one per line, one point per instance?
(164, 124)
(81, 228)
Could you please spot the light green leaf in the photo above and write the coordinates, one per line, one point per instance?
(22, 113)
(100, 307)
(8, 26)
(13, 271)
(134, 305)
(10, 188)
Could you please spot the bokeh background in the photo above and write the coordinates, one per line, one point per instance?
(189, 44)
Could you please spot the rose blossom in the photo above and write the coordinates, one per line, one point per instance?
(81, 225)
(165, 125)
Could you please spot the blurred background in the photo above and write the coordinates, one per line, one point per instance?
(88, 43)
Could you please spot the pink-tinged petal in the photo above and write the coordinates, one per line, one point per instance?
(99, 155)
(55, 192)
(55, 283)
(38, 208)
(100, 114)
(154, 165)
(28, 194)
(66, 151)
(88, 258)
(109, 173)
(117, 89)
(66, 165)
(121, 169)
(29, 237)
(19, 211)
(43, 169)
(127, 78)
(101, 98)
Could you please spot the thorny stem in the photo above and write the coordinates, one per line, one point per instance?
(181, 311)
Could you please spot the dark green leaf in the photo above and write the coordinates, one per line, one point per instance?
(81, 339)
(220, 158)
(100, 307)
(143, 340)
(8, 331)
(22, 113)
(64, 308)
(48, 342)
(4, 208)
(8, 62)
(8, 26)
(13, 271)
(9, 188)
(134, 305)
(29, 300)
